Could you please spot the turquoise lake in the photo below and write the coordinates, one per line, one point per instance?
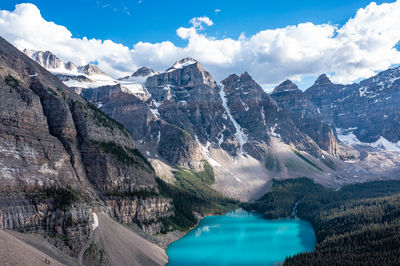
(241, 238)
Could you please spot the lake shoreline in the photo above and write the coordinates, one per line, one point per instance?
(253, 232)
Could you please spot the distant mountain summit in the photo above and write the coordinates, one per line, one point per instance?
(182, 63)
(286, 86)
(143, 72)
(91, 70)
(323, 80)
(46, 59)
(51, 62)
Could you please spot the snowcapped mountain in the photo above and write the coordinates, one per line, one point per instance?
(46, 59)
(90, 76)
(183, 116)
(234, 125)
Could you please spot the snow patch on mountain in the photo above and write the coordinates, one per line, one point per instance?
(273, 131)
(95, 221)
(240, 135)
(347, 137)
(204, 150)
(184, 62)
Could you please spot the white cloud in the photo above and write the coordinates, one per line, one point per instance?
(199, 21)
(364, 45)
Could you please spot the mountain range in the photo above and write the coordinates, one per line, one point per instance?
(334, 133)
(79, 147)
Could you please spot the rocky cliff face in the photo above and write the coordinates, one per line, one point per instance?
(306, 115)
(182, 116)
(61, 159)
(368, 109)
(46, 59)
(188, 97)
(189, 117)
(287, 115)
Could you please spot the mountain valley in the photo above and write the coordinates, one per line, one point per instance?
(91, 164)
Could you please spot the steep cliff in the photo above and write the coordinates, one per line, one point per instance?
(62, 159)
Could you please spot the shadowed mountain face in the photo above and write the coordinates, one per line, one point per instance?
(62, 159)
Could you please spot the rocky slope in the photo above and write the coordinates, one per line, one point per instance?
(62, 159)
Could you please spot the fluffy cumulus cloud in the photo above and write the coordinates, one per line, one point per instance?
(363, 45)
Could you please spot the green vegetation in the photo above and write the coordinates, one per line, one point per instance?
(187, 134)
(280, 200)
(52, 91)
(306, 160)
(192, 193)
(61, 197)
(11, 81)
(94, 255)
(357, 225)
(141, 194)
(64, 96)
(132, 157)
(99, 117)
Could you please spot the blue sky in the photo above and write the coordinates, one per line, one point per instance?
(130, 21)
(272, 40)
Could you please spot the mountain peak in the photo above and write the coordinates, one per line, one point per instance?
(91, 70)
(323, 80)
(183, 63)
(143, 72)
(245, 75)
(287, 85)
(47, 59)
(70, 66)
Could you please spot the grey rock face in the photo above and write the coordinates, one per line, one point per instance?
(369, 107)
(263, 116)
(71, 66)
(186, 105)
(292, 99)
(91, 70)
(62, 158)
(143, 72)
(46, 59)
(50, 61)
(80, 78)
(306, 115)
(189, 98)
